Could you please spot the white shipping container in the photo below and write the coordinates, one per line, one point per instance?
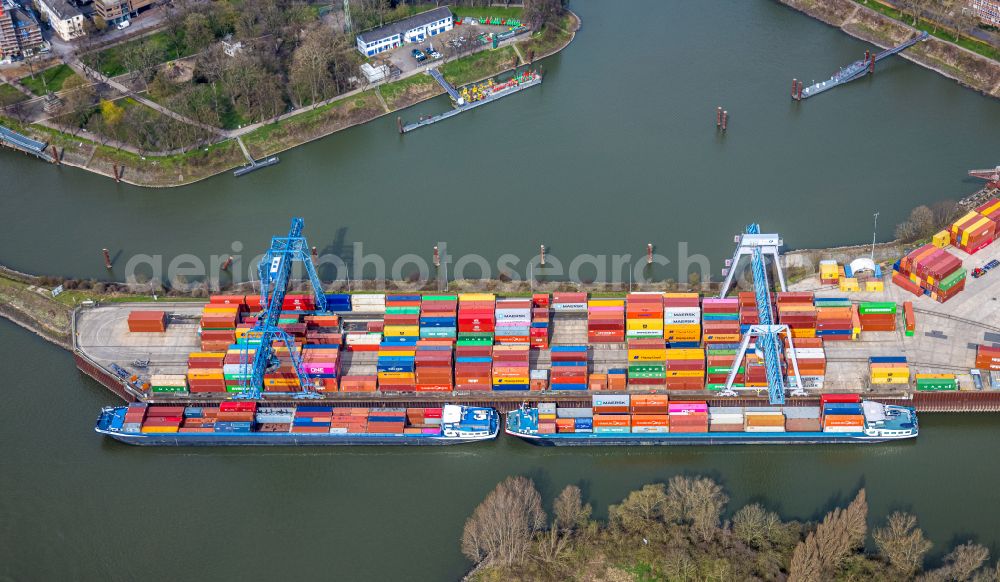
(764, 429)
(842, 429)
(539, 374)
(650, 429)
(610, 400)
(338, 430)
(569, 307)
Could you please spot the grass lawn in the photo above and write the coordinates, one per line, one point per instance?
(54, 79)
(112, 62)
(480, 65)
(965, 42)
(548, 40)
(9, 95)
(392, 91)
(487, 11)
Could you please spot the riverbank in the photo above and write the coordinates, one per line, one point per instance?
(968, 68)
(682, 530)
(315, 122)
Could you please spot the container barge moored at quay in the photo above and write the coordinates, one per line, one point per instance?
(245, 423)
(621, 420)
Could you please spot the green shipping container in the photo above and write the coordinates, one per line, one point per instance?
(877, 307)
(723, 370)
(440, 298)
(646, 368)
(936, 385)
(415, 310)
(167, 389)
(952, 280)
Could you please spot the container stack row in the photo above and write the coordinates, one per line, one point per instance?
(540, 320)
(510, 367)
(889, 370)
(513, 321)
(987, 357)
(606, 321)
(682, 319)
(476, 319)
(569, 368)
(974, 231)
(644, 316)
(835, 319)
(877, 316)
(439, 317)
(402, 318)
(720, 321)
(930, 271)
(434, 363)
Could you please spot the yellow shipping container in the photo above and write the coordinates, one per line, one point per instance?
(803, 332)
(192, 375)
(223, 309)
(389, 353)
(957, 223)
(991, 209)
(941, 239)
(686, 354)
(890, 380)
(685, 373)
(281, 382)
(647, 355)
(934, 376)
(849, 284)
(476, 297)
(640, 324)
(159, 429)
(606, 303)
(973, 228)
(874, 286)
(401, 330)
(396, 375)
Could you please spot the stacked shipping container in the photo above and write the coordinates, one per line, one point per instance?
(606, 320)
(930, 271)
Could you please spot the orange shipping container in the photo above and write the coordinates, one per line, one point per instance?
(843, 420)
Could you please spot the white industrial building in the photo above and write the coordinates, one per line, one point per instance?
(416, 28)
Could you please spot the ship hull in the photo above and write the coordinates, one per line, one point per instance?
(694, 439)
(285, 439)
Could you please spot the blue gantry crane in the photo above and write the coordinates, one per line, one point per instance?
(766, 333)
(275, 269)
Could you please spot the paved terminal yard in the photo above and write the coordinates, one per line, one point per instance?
(944, 342)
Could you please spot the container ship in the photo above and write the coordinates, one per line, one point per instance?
(247, 423)
(617, 420)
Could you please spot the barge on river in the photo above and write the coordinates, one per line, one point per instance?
(649, 420)
(243, 423)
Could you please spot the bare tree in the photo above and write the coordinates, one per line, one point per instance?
(698, 501)
(960, 564)
(756, 526)
(920, 224)
(641, 510)
(841, 532)
(806, 565)
(902, 543)
(502, 527)
(569, 509)
(310, 70)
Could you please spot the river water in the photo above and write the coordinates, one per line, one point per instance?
(616, 149)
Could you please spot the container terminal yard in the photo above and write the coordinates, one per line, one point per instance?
(503, 352)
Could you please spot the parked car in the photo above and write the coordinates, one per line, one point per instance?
(419, 55)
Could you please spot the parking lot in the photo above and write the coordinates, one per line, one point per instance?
(447, 44)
